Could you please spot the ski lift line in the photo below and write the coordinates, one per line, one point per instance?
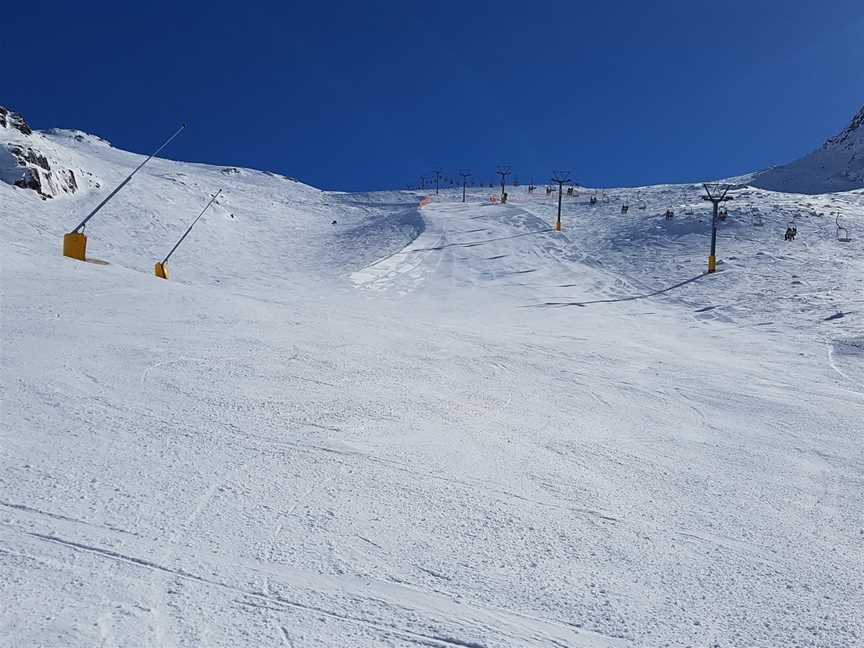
(189, 229)
(123, 184)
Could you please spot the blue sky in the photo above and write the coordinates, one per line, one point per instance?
(370, 95)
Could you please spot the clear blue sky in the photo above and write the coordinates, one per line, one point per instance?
(370, 95)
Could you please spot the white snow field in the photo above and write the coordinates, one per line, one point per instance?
(447, 427)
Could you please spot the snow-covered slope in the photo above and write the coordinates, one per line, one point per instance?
(448, 426)
(837, 166)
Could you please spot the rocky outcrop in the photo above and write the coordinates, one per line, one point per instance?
(22, 163)
(9, 119)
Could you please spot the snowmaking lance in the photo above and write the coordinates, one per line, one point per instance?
(161, 268)
(75, 242)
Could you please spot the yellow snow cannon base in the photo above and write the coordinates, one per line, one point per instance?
(161, 270)
(75, 246)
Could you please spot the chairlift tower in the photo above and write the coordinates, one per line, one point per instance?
(716, 194)
(465, 175)
(560, 177)
(503, 171)
(437, 178)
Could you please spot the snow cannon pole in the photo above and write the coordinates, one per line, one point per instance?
(161, 269)
(75, 242)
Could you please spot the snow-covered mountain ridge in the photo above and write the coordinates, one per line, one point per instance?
(837, 166)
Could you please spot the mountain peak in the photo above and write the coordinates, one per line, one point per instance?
(837, 166)
(10, 119)
(851, 131)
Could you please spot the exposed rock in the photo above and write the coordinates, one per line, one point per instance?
(25, 166)
(9, 119)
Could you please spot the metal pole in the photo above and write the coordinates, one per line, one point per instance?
(123, 184)
(558, 223)
(503, 172)
(714, 229)
(560, 178)
(465, 176)
(176, 245)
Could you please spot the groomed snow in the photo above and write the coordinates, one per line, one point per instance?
(449, 426)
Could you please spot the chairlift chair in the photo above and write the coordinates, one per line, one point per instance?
(756, 217)
(842, 232)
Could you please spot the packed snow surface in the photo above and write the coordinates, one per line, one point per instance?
(449, 426)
